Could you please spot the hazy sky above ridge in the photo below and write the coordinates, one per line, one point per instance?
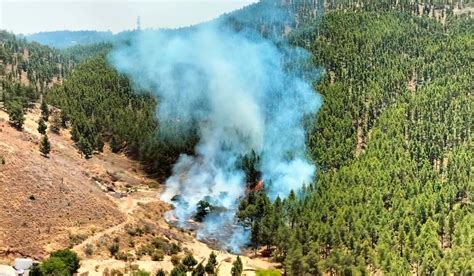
(32, 16)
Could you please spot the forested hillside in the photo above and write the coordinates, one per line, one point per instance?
(394, 148)
(31, 63)
(27, 72)
(392, 142)
(65, 39)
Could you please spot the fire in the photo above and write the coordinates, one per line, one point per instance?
(257, 187)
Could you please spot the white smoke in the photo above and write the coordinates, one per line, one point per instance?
(237, 88)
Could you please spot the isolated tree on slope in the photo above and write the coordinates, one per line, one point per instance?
(211, 264)
(237, 267)
(45, 146)
(189, 261)
(16, 115)
(42, 126)
(199, 270)
(44, 110)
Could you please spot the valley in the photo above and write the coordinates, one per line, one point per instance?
(67, 201)
(321, 137)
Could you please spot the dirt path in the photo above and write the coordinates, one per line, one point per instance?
(127, 205)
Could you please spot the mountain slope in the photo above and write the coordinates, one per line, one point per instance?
(45, 200)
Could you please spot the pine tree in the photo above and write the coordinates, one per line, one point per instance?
(56, 123)
(160, 272)
(16, 115)
(237, 267)
(44, 110)
(85, 147)
(42, 126)
(45, 145)
(211, 263)
(199, 270)
(189, 261)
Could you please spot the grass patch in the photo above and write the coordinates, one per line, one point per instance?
(267, 272)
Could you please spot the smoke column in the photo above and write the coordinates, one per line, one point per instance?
(238, 89)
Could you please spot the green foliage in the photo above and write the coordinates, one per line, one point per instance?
(211, 264)
(35, 270)
(45, 145)
(392, 141)
(203, 208)
(160, 272)
(199, 270)
(237, 267)
(89, 249)
(250, 164)
(267, 272)
(178, 270)
(39, 64)
(42, 126)
(393, 146)
(140, 272)
(189, 262)
(100, 104)
(113, 248)
(56, 123)
(158, 255)
(69, 258)
(15, 114)
(175, 260)
(54, 266)
(44, 110)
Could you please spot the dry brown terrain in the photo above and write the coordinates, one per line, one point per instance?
(65, 200)
(45, 200)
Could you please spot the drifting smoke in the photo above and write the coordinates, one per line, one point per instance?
(238, 90)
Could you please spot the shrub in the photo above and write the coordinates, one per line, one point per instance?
(35, 270)
(189, 261)
(69, 258)
(140, 272)
(174, 249)
(199, 270)
(160, 272)
(54, 266)
(158, 255)
(160, 243)
(147, 249)
(122, 256)
(179, 270)
(114, 248)
(267, 272)
(175, 260)
(75, 239)
(89, 250)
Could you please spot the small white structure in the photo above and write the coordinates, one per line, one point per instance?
(6, 270)
(23, 266)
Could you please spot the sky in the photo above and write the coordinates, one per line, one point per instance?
(32, 16)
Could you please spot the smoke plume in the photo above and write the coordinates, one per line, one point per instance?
(237, 89)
